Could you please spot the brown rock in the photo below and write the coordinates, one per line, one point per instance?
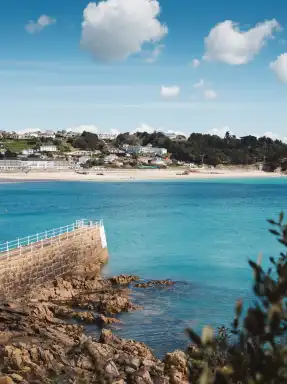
(6, 380)
(112, 369)
(154, 283)
(102, 320)
(123, 279)
(17, 378)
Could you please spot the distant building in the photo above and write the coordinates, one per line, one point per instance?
(175, 137)
(148, 150)
(28, 135)
(48, 134)
(45, 164)
(28, 151)
(107, 136)
(10, 164)
(170, 135)
(48, 148)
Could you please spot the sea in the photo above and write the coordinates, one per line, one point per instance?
(200, 234)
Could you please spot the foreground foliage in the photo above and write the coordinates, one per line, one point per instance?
(256, 352)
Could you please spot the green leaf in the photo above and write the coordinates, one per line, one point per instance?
(193, 336)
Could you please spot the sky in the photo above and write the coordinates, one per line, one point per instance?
(126, 65)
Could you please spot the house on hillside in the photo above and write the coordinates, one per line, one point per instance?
(48, 148)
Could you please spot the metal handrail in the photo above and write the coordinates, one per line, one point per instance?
(56, 232)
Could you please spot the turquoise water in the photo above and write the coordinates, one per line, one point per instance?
(199, 234)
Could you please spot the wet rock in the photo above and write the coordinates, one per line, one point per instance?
(154, 283)
(102, 320)
(123, 279)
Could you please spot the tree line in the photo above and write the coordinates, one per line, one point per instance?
(215, 150)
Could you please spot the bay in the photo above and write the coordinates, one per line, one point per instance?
(198, 233)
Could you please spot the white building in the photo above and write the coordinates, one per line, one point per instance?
(148, 150)
(107, 136)
(10, 164)
(170, 135)
(48, 134)
(45, 164)
(48, 148)
(33, 164)
(28, 151)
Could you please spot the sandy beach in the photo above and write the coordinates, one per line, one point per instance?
(132, 175)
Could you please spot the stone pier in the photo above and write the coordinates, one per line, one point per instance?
(37, 259)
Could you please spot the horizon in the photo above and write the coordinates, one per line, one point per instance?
(204, 68)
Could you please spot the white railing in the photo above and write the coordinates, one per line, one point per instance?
(47, 235)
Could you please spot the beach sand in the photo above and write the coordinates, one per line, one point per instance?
(131, 175)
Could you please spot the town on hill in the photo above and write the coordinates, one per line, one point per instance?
(71, 150)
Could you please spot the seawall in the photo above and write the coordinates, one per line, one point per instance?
(33, 264)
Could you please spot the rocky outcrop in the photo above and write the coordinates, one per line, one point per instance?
(154, 283)
(38, 345)
(123, 279)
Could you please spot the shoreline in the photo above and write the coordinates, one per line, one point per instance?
(132, 175)
(40, 330)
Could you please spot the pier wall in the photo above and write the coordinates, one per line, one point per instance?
(34, 264)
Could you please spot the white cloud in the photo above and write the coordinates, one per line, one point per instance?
(210, 94)
(220, 131)
(81, 128)
(279, 66)
(144, 128)
(199, 84)
(115, 132)
(154, 54)
(228, 44)
(37, 26)
(271, 135)
(178, 133)
(169, 92)
(195, 63)
(116, 29)
(29, 130)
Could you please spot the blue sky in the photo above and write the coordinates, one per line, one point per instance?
(131, 67)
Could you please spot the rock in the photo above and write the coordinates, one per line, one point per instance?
(135, 363)
(112, 369)
(102, 320)
(154, 283)
(142, 377)
(86, 317)
(123, 279)
(17, 378)
(129, 370)
(6, 380)
(16, 358)
(176, 367)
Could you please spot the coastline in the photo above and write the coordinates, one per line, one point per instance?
(44, 337)
(132, 175)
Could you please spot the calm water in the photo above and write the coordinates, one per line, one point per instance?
(197, 233)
